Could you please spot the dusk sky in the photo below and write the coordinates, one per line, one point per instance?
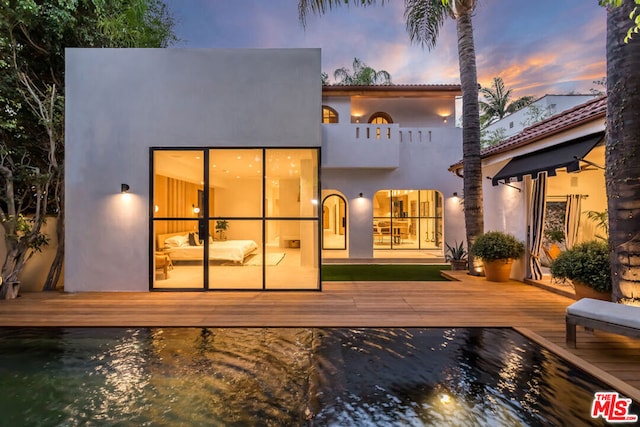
(538, 47)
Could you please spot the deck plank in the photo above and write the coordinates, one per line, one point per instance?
(469, 302)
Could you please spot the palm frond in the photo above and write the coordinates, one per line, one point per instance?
(424, 20)
(497, 102)
(321, 7)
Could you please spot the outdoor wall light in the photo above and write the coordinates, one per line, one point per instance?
(196, 209)
(455, 194)
(361, 195)
(444, 119)
(124, 188)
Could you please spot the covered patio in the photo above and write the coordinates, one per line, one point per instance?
(466, 301)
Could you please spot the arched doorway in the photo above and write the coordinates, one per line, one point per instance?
(334, 222)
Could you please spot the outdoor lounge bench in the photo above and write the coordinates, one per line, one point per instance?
(603, 315)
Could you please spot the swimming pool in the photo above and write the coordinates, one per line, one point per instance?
(287, 376)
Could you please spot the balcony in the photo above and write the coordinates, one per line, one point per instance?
(372, 146)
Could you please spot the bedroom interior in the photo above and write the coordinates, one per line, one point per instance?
(255, 192)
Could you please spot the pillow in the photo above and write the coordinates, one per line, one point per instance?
(194, 240)
(177, 241)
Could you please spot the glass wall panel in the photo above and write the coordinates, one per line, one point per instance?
(178, 257)
(177, 205)
(231, 202)
(291, 183)
(407, 219)
(292, 258)
(235, 177)
(235, 254)
(178, 186)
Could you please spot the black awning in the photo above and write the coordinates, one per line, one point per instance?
(565, 155)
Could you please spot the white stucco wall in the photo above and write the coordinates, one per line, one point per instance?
(342, 105)
(120, 102)
(505, 209)
(421, 166)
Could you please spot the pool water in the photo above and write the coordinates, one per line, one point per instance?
(287, 377)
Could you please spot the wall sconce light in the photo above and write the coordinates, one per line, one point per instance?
(455, 194)
(124, 188)
(444, 119)
(361, 195)
(196, 209)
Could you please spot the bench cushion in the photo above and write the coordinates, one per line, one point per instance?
(604, 311)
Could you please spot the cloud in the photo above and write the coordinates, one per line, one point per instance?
(537, 47)
(569, 53)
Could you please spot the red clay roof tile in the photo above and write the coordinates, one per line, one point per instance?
(565, 120)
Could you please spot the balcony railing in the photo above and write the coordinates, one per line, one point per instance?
(371, 145)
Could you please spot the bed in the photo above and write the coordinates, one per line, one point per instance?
(183, 247)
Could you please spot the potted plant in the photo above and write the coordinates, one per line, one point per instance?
(222, 226)
(497, 250)
(587, 266)
(457, 256)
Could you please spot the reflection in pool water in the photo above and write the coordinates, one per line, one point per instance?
(287, 377)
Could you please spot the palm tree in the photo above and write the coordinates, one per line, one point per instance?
(498, 104)
(362, 75)
(622, 173)
(424, 18)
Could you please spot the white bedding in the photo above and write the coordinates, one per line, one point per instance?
(224, 250)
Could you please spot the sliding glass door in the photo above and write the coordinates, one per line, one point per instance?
(252, 213)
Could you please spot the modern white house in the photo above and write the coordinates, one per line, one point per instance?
(214, 169)
(548, 176)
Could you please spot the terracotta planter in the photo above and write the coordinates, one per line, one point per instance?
(584, 291)
(498, 270)
(459, 264)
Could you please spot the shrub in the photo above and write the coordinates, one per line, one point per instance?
(496, 245)
(587, 263)
(555, 235)
(457, 252)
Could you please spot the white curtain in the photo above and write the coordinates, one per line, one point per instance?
(536, 224)
(572, 219)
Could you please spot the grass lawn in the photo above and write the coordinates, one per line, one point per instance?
(374, 272)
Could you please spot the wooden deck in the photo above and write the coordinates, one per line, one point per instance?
(470, 302)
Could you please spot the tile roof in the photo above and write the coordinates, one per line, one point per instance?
(560, 122)
(391, 90)
(413, 85)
